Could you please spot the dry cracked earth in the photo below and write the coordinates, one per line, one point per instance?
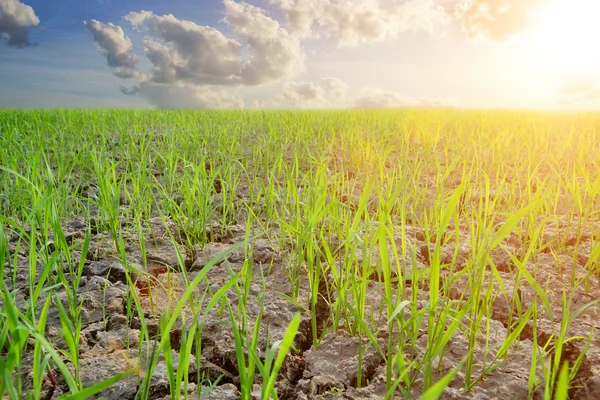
(110, 337)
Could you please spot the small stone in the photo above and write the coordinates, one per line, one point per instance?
(223, 392)
(117, 320)
(115, 305)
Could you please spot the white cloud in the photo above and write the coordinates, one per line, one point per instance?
(182, 51)
(353, 22)
(16, 21)
(495, 19)
(303, 94)
(250, 21)
(333, 93)
(128, 73)
(172, 84)
(193, 65)
(187, 96)
(189, 60)
(274, 52)
(377, 98)
(130, 91)
(112, 40)
(335, 86)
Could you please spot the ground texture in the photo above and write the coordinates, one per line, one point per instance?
(413, 245)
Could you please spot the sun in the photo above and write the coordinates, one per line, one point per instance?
(565, 34)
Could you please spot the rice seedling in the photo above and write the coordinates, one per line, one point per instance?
(146, 254)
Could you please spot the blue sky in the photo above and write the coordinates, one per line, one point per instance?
(66, 70)
(310, 53)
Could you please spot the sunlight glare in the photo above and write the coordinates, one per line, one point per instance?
(566, 33)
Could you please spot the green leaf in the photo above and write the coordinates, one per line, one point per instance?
(365, 329)
(98, 387)
(288, 340)
(190, 289)
(538, 289)
(436, 391)
(508, 226)
(514, 335)
(562, 388)
(399, 308)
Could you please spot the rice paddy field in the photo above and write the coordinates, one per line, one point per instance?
(299, 255)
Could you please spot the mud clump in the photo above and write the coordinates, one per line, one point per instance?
(337, 358)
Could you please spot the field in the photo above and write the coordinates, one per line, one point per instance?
(299, 255)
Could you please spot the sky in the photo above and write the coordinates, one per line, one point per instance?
(507, 54)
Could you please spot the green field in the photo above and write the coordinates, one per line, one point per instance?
(299, 255)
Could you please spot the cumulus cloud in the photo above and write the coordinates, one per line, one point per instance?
(189, 60)
(170, 85)
(112, 40)
(182, 51)
(129, 73)
(495, 19)
(353, 22)
(303, 94)
(274, 52)
(377, 98)
(335, 86)
(370, 97)
(16, 21)
(333, 93)
(187, 96)
(129, 91)
(178, 95)
(194, 66)
(330, 92)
